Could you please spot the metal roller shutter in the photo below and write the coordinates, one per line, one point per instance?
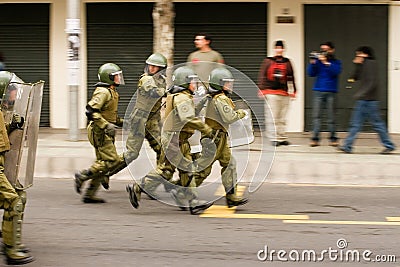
(24, 42)
(121, 33)
(240, 35)
(348, 27)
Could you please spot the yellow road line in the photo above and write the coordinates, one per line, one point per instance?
(342, 222)
(393, 219)
(344, 185)
(255, 216)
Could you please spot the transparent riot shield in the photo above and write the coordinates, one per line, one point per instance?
(22, 102)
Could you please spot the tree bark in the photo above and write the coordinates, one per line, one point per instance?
(163, 21)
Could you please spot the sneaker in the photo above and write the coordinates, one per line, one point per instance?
(387, 151)
(314, 143)
(284, 143)
(343, 149)
(93, 200)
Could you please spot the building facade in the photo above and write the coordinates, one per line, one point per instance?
(33, 39)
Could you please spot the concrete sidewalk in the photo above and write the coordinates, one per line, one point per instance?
(57, 157)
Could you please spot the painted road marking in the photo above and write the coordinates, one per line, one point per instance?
(218, 211)
(393, 219)
(342, 222)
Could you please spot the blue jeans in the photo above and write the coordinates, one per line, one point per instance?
(328, 99)
(363, 110)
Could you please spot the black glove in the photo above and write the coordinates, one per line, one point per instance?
(17, 121)
(110, 130)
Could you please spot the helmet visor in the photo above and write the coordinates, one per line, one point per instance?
(227, 84)
(194, 82)
(118, 77)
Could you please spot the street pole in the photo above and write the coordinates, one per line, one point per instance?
(73, 31)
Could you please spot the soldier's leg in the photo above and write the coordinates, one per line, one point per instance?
(153, 135)
(107, 158)
(12, 222)
(229, 178)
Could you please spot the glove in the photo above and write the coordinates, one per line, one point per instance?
(17, 121)
(110, 130)
(201, 90)
(246, 114)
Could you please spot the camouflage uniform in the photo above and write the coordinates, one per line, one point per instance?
(180, 123)
(102, 113)
(11, 201)
(220, 113)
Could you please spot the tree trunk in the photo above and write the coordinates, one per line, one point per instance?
(163, 21)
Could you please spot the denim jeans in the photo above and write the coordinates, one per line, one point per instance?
(327, 99)
(367, 110)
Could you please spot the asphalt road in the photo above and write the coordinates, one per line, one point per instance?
(62, 231)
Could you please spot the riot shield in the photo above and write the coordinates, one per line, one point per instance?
(22, 100)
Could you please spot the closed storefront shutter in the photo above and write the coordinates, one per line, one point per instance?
(239, 32)
(24, 42)
(121, 33)
(348, 27)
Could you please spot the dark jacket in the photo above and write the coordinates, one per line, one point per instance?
(368, 81)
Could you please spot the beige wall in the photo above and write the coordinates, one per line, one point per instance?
(394, 69)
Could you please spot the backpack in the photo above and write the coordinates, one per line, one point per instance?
(277, 73)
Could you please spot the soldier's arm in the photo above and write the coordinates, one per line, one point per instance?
(186, 112)
(226, 111)
(100, 97)
(149, 86)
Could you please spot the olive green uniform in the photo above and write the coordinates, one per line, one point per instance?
(13, 204)
(219, 115)
(104, 103)
(180, 123)
(144, 122)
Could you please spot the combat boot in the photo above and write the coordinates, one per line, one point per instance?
(106, 182)
(93, 200)
(90, 195)
(197, 206)
(16, 257)
(233, 200)
(21, 248)
(134, 192)
(80, 177)
(178, 198)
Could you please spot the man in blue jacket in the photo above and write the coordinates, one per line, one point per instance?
(326, 68)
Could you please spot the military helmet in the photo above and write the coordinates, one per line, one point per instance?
(183, 76)
(218, 77)
(157, 59)
(107, 73)
(5, 79)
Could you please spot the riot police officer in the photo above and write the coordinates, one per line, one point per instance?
(180, 124)
(11, 200)
(220, 113)
(101, 111)
(144, 122)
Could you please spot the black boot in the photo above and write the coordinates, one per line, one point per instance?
(233, 201)
(93, 200)
(197, 206)
(134, 192)
(106, 182)
(16, 257)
